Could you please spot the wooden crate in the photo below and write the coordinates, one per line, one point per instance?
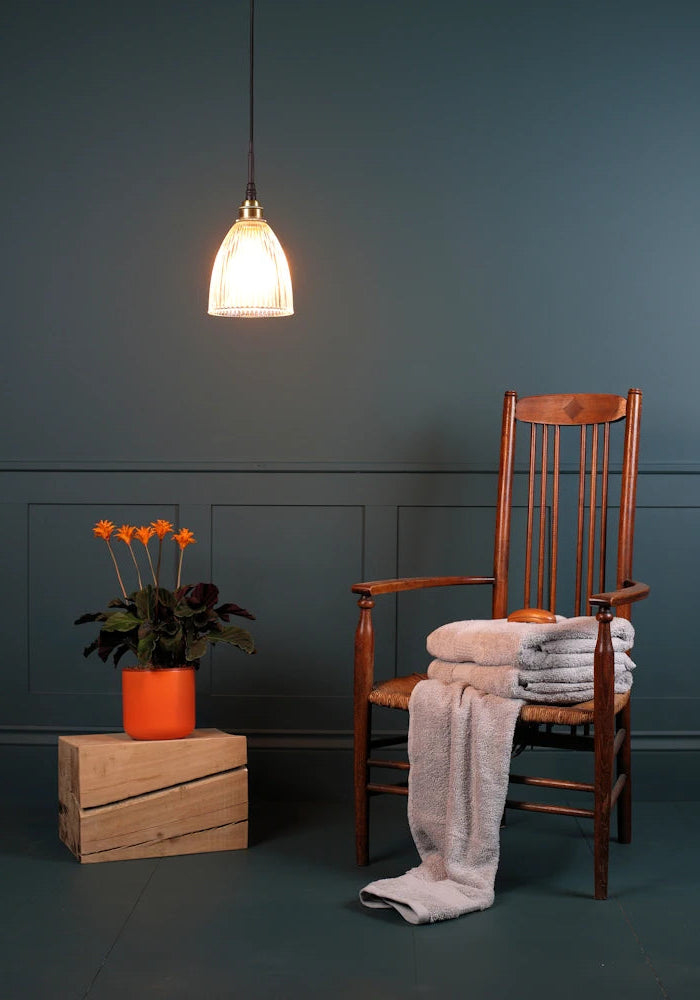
(121, 798)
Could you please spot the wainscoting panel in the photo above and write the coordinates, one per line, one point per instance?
(667, 681)
(288, 543)
(292, 566)
(436, 541)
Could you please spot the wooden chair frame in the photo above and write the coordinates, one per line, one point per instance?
(609, 714)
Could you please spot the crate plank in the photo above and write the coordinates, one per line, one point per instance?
(232, 837)
(111, 767)
(186, 808)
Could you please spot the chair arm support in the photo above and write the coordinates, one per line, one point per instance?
(374, 587)
(628, 593)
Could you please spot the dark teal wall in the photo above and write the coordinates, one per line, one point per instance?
(473, 195)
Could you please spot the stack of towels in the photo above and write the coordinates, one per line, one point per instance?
(550, 663)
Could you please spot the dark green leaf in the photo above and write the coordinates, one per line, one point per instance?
(145, 601)
(145, 649)
(173, 643)
(235, 637)
(119, 652)
(196, 649)
(166, 598)
(183, 610)
(97, 616)
(121, 621)
(109, 641)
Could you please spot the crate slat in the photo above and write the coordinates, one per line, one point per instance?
(232, 837)
(111, 767)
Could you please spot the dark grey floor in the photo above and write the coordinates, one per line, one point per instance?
(282, 920)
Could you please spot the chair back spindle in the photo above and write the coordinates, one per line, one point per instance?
(552, 420)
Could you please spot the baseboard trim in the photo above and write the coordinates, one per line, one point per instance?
(275, 740)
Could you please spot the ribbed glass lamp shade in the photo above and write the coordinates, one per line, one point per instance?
(251, 274)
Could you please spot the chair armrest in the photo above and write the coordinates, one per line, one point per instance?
(374, 587)
(627, 594)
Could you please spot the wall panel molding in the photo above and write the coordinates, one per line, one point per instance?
(185, 466)
(289, 542)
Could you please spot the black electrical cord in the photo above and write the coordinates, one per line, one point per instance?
(250, 192)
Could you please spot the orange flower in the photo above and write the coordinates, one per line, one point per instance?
(126, 533)
(103, 529)
(144, 534)
(184, 537)
(161, 528)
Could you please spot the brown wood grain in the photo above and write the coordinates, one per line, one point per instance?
(231, 837)
(110, 767)
(376, 587)
(121, 798)
(571, 410)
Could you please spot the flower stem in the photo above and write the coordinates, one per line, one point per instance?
(179, 568)
(160, 551)
(150, 563)
(138, 574)
(114, 560)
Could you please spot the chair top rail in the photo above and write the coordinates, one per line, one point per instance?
(572, 409)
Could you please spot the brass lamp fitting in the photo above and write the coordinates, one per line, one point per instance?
(250, 209)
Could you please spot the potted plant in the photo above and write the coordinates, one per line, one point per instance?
(168, 632)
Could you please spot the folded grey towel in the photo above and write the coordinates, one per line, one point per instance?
(565, 653)
(489, 643)
(568, 647)
(459, 746)
(496, 642)
(568, 664)
(537, 685)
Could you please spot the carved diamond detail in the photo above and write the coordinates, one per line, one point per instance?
(573, 408)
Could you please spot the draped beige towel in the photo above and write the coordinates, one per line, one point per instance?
(459, 747)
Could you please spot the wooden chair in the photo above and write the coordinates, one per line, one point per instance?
(552, 420)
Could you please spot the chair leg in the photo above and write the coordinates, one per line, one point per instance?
(603, 745)
(361, 753)
(624, 765)
(601, 822)
(601, 850)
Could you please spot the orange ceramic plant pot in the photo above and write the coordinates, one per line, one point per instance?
(158, 704)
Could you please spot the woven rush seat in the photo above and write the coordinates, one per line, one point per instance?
(567, 715)
(397, 692)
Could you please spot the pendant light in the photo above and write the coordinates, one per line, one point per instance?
(251, 276)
